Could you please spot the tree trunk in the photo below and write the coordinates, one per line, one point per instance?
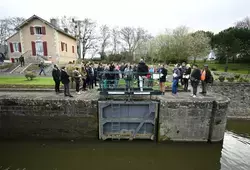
(226, 67)
(194, 60)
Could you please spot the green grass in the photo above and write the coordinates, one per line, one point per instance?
(10, 80)
(241, 68)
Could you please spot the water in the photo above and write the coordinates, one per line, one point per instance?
(233, 154)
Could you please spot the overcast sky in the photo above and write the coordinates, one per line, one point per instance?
(154, 15)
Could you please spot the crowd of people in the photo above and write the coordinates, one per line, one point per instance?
(87, 75)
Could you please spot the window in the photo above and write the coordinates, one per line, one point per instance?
(39, 48)
(64, 46)
(15, 47)
(38, 30)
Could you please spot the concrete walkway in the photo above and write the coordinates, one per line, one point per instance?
(94, 95)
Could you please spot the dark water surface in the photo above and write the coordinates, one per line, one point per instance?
(233, 154)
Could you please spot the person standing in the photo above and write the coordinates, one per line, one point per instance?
(182, 69)
(150, 77)
(142, 70)
(65, 81)
(21, 59)
(163, 73)
(195, 79)
(84, 78)
(176, 77)
(42, 66)
(77, 77)
(186, 77)
(56, 74)
(206, 77)
(128, 76)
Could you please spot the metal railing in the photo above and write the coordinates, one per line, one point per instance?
(120, 83)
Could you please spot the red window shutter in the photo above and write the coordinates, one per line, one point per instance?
(33, 45)
(20, 47)
(43, 30)
(66, 47)
(11, 48)
(45, 51)
(62, 46)
(32, 30)
(73, 49)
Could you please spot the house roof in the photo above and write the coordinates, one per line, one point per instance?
(11, 36)
(44, 21)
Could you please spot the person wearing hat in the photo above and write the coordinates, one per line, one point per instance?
(65, 81)
(56, 74)
(195, 79)
(206, 77)
(186, 76)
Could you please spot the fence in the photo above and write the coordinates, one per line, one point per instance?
(119, 83)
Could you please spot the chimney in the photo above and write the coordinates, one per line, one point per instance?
(53, 21)
(66, 30)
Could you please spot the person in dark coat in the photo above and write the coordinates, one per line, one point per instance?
(186, 76)
(21, 59)
(195, 79)
(163, 71)
(111, 77)
(65, 81)
(142, 70)
(56, 74)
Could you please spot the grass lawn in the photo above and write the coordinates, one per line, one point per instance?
(241, 68)
(12, 80)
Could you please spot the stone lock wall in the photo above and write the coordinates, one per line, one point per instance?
(48, 116)
(239, 95)
(193, 120)
(51, 119)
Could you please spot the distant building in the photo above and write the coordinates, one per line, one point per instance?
(211, 56)
(38, 37)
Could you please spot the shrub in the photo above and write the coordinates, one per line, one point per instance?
(234, 69)
(243, 80)
(30, 75)
(4, 66)
(230, 79)
(214, 69)
(216, 73)
(222, 78)
(237, 76)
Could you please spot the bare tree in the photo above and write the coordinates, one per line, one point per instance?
(67, 22)
(84, 30)
(105, 35)
(7, 27)
(87, 35)
(133, 38)
(245, 23)
(115, 40)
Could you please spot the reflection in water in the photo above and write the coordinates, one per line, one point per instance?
(124, 155)
(235, 152)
